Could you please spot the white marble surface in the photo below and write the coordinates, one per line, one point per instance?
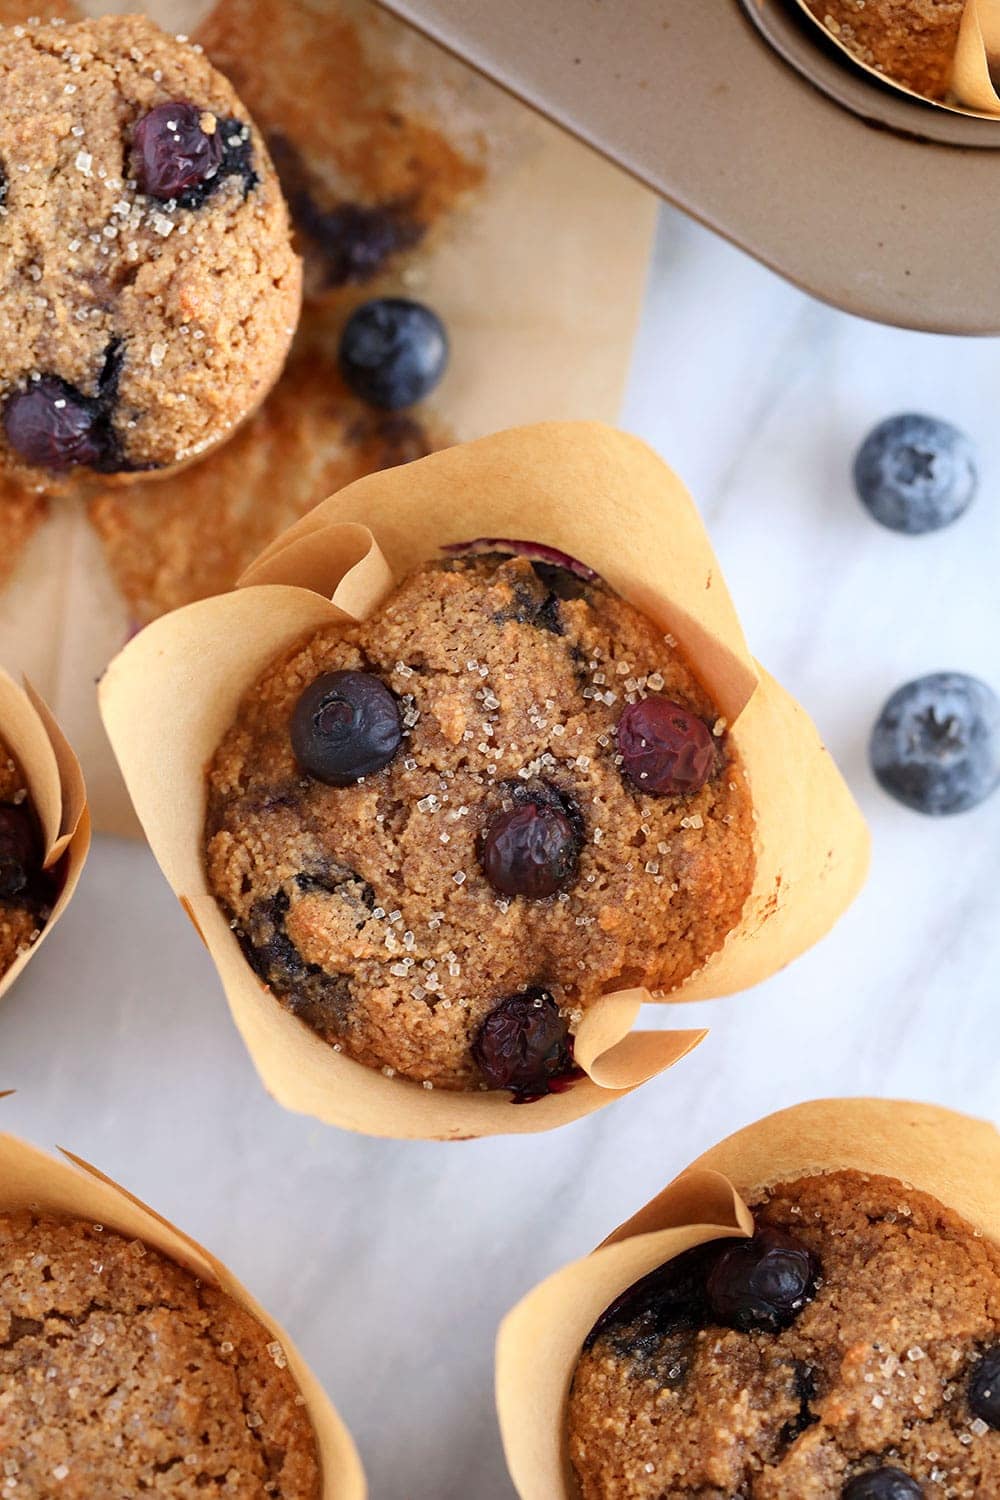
(392, 1263)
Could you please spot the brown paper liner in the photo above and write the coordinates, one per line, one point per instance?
(584, 489)
(978, 46)
(972, 91)
(55, 785)
(952, 1157)
(31, 1179)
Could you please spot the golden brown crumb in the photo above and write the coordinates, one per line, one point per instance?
(910, 41)
(121, 1374)
(365, 907)
(872, 1372)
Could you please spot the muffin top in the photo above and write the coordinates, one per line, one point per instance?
(851, 1348)
(149, 288)
(26, 891)
(515, 847)
(122, 1374)
(911, 41)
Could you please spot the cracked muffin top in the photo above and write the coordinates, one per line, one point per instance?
(442, 833)
(149, 287)
(121, 1374)
(850, 1348)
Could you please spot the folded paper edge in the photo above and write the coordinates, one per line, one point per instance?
(631, 1058)
(978, 38)
(438, 1114)
(875, 1135)
(68, 835)
(985, 103)
(333, 1438)
(558, 1314)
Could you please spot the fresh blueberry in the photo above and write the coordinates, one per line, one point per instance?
(53, 426)
(762, 1282)
(984, 1388)
(173, 151)
(882, 1484)
(665, 749)
(936, 744)
(916, 473)
(524, 1045)
(393, 352)
(530, 850)
(20, 854)
(345, 725)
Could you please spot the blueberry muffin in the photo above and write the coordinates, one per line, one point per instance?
(124, 1375)
(26, 890)
(441, 834)
(850, 1348)
(911, 41)
(149, 287)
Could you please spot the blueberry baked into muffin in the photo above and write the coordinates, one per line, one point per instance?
(149, 286)
(442, 833)
(850, 1348)
(124, 1375)
(911, 41)
(26, 890)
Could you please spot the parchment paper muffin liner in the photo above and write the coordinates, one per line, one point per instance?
(603, 498)
(31, 1179)
(972, 91)
(55, 785)
(952, 1157)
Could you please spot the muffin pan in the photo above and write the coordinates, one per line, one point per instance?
(742, 118)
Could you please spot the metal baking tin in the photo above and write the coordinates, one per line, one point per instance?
(733, 111)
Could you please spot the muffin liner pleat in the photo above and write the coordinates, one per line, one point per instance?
(971, 91)
(31, 1179)
(978, 47)
(952, 1157)
(602, 498)
(55, 786)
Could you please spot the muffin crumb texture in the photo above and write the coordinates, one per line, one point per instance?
(874, 1373)
(366, 907)
(150, 290)
(911, 41)
(122, 1375)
